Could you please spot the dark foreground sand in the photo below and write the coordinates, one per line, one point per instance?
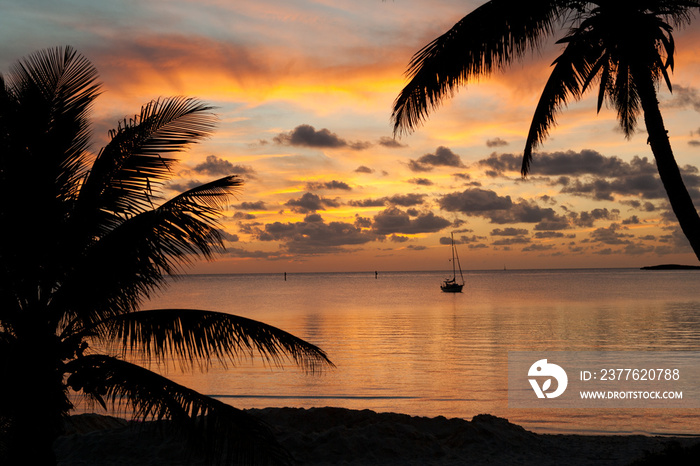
(336, 436)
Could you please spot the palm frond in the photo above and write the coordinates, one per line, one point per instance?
(677, 12)
(665, 45)
(52, 93)
(195, 336)
(638, 45)
(132, 166)
(205, 199)
(487, 39)
(572, 72)
(135, 257)
(44, 134)
(184, 227)
(668, 45)
(626, 99)
(605, 80)
(223, 433)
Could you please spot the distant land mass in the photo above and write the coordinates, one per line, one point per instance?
(671, 267)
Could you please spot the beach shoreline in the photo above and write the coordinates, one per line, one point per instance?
(328, 436)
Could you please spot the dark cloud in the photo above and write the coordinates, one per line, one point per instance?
(259, 205)
(509, 232)
(474, 201)
(570, 163)
(645, 207)
(216, 166)
(307, 136)
(647, 186)
(311, 186)
(548, 234)
(684, 97)
(313, 236)
(313, 218)
(638, 248)
(398, 239)
(511, 241)
(310, 202)
(243, 216)
(364, 169)
(406, 200)
(403, 200)
(184, 185)
(243, 253)
(390, 142)
(502, 163)
(547, 199)
(462, 239)
(395, 220)
(471, 239)
(538, 248)
(677, 241)
(363, 222)
(557, 223)
(588, 173)
(421, 181)
(250, 228)
(633, 203)
(529, 212)
(418, 167)
(231, 238)
(611, 235)
(368, 202)
(443, 157)
(587, 219)
(447, 240)
(501, 209)
(496, 142)
(589, 162)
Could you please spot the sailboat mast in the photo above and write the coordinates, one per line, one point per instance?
(454, 272)
(458, 264)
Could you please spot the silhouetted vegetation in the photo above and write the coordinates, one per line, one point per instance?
(86, 238)
(624, 46)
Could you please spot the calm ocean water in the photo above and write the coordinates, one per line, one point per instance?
(402, 345)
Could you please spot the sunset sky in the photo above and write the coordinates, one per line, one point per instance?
(304, 90)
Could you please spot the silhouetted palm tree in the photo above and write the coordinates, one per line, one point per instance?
(625, 46)
(85, 239)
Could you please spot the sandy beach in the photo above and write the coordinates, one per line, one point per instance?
(338, 436)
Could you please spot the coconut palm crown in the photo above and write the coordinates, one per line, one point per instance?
(86, 238)
(625, 47)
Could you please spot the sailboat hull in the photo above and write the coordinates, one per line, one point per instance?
(451, 287)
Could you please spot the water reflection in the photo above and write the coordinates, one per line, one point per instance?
(401, 345)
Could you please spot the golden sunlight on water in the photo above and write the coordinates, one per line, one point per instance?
(401, 345)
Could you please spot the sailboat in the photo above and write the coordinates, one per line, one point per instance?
(450, 285)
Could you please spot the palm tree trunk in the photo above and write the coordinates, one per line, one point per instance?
(670, 174)
(35, 403)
